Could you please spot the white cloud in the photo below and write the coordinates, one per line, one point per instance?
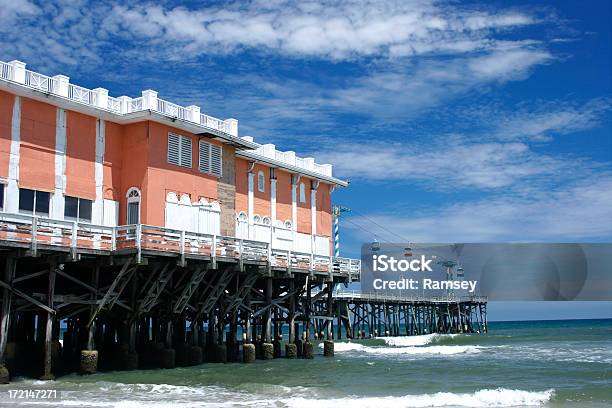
(335, 30)
(546, 119)
(448, 164)
(579, 212)
(328, 29)
(507, 63)
(12, 9)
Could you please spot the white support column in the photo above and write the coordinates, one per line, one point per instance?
(313, 206)
(273, 201)
(125, 104)
(194, 113)
(251, 203)
(101, 97)
(56, 210)
(62, 83)
(295, 179)
(97, 216)
(19, 71)
(149, 99)
(12, 188)
(313, 215)
(272, 205)
(232, 126)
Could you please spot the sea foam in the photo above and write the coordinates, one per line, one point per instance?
(500, 397)
(411, 350)
(421, 340)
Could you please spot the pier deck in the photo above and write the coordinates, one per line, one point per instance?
(140, 296)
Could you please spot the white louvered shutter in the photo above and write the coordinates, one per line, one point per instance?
(216, 160)
(204, 157)
(185, 151)
(174, 149)
(211, 159)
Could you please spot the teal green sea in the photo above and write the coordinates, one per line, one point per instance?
(545, 363)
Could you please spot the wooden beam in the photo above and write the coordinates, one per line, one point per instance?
(26, 297)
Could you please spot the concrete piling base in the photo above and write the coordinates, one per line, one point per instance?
(290, 350)
(130, 361)
(267, 351)
(277, 349)
(4, 375)
(182, 355)
(167, 358)
(248, 353)
(328, 348)
(300, 348)
(89, 361)
(220, 354)
(195, 356)
(308, 350)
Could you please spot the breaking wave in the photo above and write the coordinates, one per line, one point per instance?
(499, 397)
(421, 340)
(410, 350)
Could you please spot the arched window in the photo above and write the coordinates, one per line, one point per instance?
(288, 224)
(302, 193)
(265, 220)
(256, 219)
(242, 217)
(261, 181)
(133, 206)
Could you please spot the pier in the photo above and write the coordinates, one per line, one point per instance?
(144, 297)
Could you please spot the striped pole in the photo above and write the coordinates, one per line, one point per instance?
(336, 235)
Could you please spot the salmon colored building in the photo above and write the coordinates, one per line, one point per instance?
(75, 154)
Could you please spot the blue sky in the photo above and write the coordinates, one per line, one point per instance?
(454, 121)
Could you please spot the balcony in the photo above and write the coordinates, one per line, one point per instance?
(37, 234)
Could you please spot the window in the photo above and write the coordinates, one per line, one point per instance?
(133, 206)
(179, 150)
(211, 159)
(77, 209)
(1, 197)
(302, 193)
(261, 181)
(34, 202)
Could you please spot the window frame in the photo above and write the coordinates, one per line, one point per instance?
(261, 182)
(78, 208)
(302, 193)
(2, 197)
(132, 196)
(34, 203)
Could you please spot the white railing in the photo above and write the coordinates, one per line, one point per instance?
(38, 232)
(113, 104)
(323, 169)
(44, 83)
(83, 95)
(172, 109)
(6, 70)
(285, 157)
(40, 82)
(213, 123)
(450, 298)
(136, 104)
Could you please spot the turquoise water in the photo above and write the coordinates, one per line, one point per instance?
(551, 363)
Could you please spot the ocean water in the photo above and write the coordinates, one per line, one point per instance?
(547, 363)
